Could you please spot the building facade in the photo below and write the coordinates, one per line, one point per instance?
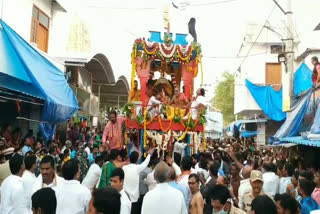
(34, 21)
(261, 67)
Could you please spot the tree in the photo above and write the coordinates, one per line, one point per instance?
(224, 97)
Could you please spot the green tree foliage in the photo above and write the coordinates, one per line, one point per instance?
(224, 97)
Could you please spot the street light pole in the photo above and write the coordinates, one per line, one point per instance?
(288, 81)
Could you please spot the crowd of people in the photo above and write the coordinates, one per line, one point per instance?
(91, 173)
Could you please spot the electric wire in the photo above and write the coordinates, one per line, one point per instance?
(244, 59)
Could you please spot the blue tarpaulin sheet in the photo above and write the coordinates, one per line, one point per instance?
(12, 72)
(21, 61)
(234, 127)
(301, 141)
(302, 79)
(315, 128)
(269, 100)
(294, 118)
(246, 134)
(180, 38)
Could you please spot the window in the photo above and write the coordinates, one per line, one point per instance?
(277, 49)
(40, 29)
(274, 75)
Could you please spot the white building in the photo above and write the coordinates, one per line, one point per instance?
(35, 22)
(214, 125)
(260, 67)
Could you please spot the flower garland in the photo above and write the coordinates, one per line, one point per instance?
(144, 128)
(187, 55)
(186, 131)
(167, 51)
(201, 72)
(150, 50)
(161, 126)
(133, 72)
(204, 138)
(125, 133)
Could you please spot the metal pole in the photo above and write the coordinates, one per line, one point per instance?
(118, 102)
(288, 84)
(280, 7)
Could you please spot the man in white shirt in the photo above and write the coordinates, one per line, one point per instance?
(270, 180)
(72, 197)
(198, 104)
(131, 178)
(287, 174)
(182, 180)
(245, 185)
(48, 176)
(154, 105)
(150, 181)
(94, 173)
(13, 198)
(28, 177)
(116, 181)
(179, 148)
(163, 198)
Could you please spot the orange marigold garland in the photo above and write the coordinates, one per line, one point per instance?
(161, 126)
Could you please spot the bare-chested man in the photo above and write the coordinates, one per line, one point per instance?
(197, 203)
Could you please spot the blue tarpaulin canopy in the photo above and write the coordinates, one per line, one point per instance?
(32, 74)
(302, 79)
(269, 100)
(235, 127)
(300, 140)
(294, 118)
(246, 134)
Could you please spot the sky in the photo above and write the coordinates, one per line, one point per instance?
(221, 25)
